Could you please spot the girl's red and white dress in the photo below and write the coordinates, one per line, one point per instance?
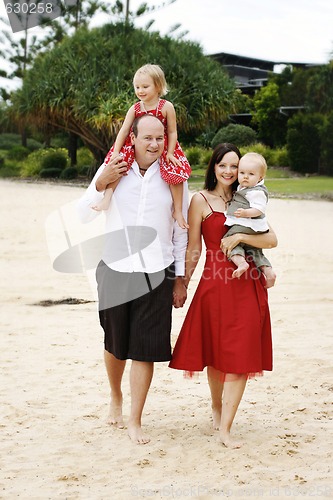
(170, 173)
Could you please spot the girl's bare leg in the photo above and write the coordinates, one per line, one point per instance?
(177, 196)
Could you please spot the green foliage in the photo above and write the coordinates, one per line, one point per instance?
(303, 142)
(326, 135)
(193, 155)
(8, 141)
(10, 168)
(320, 90)
(236, 134)
(33, 164)
(50, 173)
(17, 153)
(54, 160)
(33, 145)
(273, 156)
(270, 122)
(85, 160)
(69, 173)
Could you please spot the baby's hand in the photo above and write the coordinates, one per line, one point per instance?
(240, 212)
(173, 160)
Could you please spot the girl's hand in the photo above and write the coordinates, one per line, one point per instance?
(173, 160)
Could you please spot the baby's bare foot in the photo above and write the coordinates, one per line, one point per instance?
(240, 270)
(270, 277)
(136, 434)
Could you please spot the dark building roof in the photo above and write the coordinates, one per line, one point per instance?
(250, 73)
(251, 62)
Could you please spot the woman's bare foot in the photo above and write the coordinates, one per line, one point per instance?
(136, 434)
(216, 414)
(240, 270)
(226, 440)
(115, 416)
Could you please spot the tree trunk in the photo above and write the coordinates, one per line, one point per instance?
(72, 148)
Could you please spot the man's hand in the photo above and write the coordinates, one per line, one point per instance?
(179, 292)
(113, 171)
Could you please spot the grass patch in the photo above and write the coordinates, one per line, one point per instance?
(283, 183)
(313, 185)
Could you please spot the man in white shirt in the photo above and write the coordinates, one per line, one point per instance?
(141, 273)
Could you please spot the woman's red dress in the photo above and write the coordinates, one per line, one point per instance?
(228, 322)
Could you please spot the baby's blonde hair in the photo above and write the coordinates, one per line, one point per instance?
(157, 75)
(260, 160)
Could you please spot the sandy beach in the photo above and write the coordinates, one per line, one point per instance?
(54, 393)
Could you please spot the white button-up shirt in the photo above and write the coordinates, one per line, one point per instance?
(144, 202)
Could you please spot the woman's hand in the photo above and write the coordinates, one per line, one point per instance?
(229, 243)
(179, 292)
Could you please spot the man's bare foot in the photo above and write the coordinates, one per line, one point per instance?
(115, 416)
(227, 441)
(240, 270)
(136, 434)
(216, 414)
(270, 276)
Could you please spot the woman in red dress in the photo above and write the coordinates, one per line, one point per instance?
(227, 328)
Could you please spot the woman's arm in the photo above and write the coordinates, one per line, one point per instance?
(194, 245)
(264, 240)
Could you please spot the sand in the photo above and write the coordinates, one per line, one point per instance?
(54, 393)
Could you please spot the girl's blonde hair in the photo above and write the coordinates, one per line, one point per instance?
(260, 160)
(157, 75)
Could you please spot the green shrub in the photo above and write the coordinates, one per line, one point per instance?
(69, 173)
(85, 158)
(85, 170)
(326, 135)
(303, 142)
(33, 145)
(10, 168)
(280, 157)
(193, 155)
(17, 153)
(206, 156)
(50, 173)
(8, 141)
(32, 165)
(54, 160)
(240, 135)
